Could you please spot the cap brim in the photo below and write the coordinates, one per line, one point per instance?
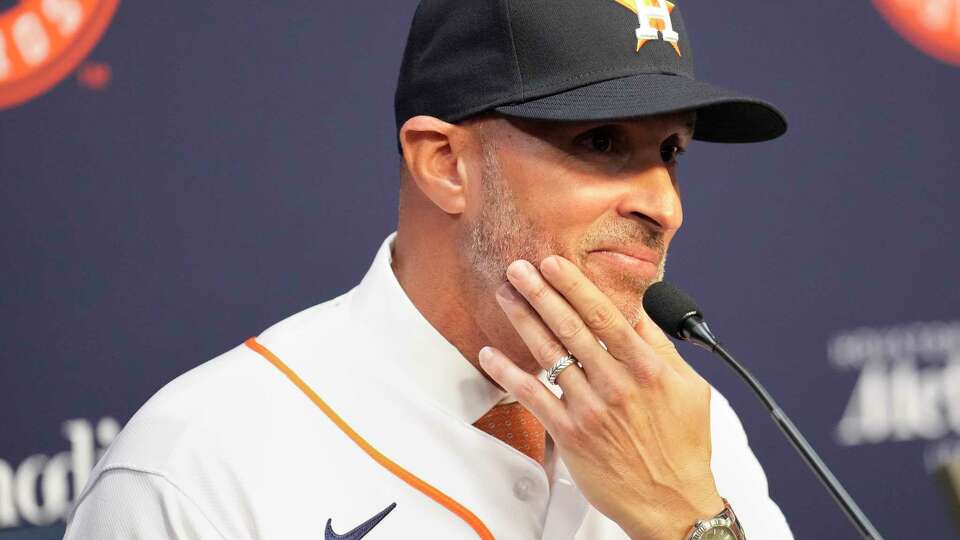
(722, 115)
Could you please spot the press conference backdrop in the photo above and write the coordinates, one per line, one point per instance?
(178, 176)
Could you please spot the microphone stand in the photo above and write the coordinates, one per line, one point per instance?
(694, 329)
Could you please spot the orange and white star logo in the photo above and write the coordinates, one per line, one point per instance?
(654, 16)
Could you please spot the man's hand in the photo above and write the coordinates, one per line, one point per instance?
(633, 426)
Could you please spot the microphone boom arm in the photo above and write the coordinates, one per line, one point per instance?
(694, 329)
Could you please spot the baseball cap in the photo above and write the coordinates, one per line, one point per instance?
(566, 60)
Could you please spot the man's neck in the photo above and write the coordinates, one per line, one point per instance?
(450, 300)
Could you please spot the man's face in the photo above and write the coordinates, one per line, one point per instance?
(604, 195)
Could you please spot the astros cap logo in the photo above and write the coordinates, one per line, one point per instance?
(654, 16)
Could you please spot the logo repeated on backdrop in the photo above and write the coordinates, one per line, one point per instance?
(933, 26)
(42, 41)
(655, 21)
(40, 489)
(907, 389)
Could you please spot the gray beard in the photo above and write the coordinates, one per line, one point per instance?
(502, 234)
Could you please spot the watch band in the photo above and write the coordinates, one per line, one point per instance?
(725, 519)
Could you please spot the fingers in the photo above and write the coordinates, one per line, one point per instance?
(651, 333)
(599, 314)
(528, 390)
(661, 344)
(560, 320)
(540, 340)
(600, 319)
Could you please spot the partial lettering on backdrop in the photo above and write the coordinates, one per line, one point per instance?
(907, 387)
(40, 490)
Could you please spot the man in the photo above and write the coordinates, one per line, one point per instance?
(494, 374)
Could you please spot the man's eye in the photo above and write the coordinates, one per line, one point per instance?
(671, 153)
(600, 141)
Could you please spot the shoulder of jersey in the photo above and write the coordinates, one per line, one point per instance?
(228, 399)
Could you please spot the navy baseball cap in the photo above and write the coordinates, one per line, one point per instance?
(566, 60)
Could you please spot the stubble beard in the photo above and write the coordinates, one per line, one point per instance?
(503, 234)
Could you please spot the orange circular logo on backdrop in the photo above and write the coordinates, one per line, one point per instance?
(933, 26)
(42, 41)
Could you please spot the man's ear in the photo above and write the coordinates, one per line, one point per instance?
(433, 152)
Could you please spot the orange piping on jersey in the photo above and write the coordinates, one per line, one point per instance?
(383, 460)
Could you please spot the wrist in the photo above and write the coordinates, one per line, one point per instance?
(672, 521)
(722, 526)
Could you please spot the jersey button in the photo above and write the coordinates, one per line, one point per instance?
(521, 489)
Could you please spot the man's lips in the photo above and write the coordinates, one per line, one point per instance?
(645, 262)
(640, 253)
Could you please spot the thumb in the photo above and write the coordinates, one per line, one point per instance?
(662, 345)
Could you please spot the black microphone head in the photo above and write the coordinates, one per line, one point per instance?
(668, 306)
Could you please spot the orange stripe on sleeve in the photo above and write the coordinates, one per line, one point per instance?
(398, 471)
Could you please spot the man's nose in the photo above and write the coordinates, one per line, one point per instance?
(652, 196)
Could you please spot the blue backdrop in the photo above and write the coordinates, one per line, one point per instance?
(213, 167)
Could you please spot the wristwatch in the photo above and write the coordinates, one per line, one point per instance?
(723, 526)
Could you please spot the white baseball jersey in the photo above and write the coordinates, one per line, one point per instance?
(353, 419)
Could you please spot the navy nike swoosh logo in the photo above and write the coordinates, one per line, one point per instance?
(360, 531)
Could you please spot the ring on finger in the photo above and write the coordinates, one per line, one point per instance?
(560, 365)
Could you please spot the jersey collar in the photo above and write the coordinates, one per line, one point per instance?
(421, 355)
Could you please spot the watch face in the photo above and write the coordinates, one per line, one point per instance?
(719, 533)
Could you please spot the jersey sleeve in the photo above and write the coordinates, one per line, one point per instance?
(740, 477)
(134, 505)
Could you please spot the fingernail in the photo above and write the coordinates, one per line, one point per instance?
(550, 265)
(508, 293)
(486, 354)
(519, 269)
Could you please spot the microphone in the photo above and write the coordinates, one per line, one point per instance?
(678, 316)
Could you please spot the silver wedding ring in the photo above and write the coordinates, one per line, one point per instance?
(561, 365)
